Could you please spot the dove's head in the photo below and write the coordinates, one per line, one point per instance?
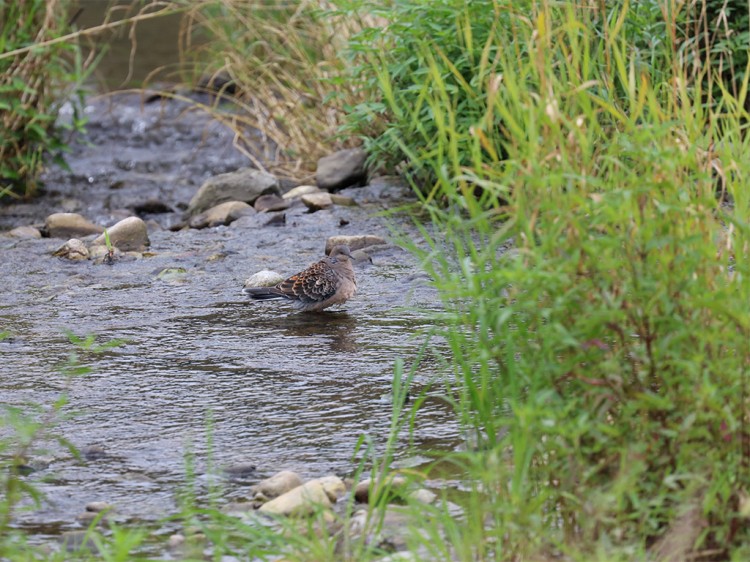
(341, 251)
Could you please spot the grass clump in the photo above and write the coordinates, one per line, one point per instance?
(595, 284)
(34, 85)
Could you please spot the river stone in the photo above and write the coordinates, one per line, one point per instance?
(342, 200)
(317, 201)
(70, 225)
(25, 232)
(423, 495)
(98, 507)
(333, 486)
(391, 534)
(363, 489)
(271, 202)
(240, 470)
(354, 242)
(302, 500)
(73, 249)
(221, 214)
(341, 169)
(77, 540)
(246, 184)
(278, 484)
(301, 190)
(129, 234)
(264, 278)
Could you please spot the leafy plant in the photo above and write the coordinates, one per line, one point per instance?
(34, 85)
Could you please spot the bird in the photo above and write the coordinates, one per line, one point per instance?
(325, 283)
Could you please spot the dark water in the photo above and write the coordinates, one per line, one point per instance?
(150, 51)
(203, 371)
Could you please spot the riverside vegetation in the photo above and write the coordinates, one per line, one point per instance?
(585, 205)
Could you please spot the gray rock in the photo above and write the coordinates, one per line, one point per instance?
(356, 242)
(391, 535)
(278, 484)
(25, 232)
(264, 278)
(302, 500)
(271, 202)
(300, 190)
(343, 200)
(129, 234)
(221, 214)
(423, 495)
(317, 201)
(341, 169)
(240, 470)
(245, 185)
(70, 225)
(73, 249)
(98, 507)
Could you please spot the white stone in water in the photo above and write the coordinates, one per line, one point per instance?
(333, 485)
(302, 500)
(278, 484)
(264, 278)
(301, 190)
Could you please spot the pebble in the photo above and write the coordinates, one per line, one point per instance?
(25, 232)
(278, 484)
(300, 190)
(129, 234)
(264, 278)
(70, 225)
(355, 242)
(317, 201)
(271, 202)
(302, 500)
(341, 169)
(73, 249)
(222, 214)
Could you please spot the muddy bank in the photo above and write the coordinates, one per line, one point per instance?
(278, 390)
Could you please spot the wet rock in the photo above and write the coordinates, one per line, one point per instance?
(341, 169)
(70, 225)
(93, 452)
(300, 190)
(129, 234)
(423, 495)
(152, 207)
(271, 202)
(393, 485)
(302, 500)
(240, 470)
(245, 185)
(333, 486)
(175, 541)
(222, 214)
(343, 200)
(317, 201)
(25, 232)
(278, 484)
(73, 249)
(101, 253)
(356, 242)
(98, 507)
(264, 278)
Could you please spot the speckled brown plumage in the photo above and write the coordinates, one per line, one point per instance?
(325, 283)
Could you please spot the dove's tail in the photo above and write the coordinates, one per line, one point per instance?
(264, 293)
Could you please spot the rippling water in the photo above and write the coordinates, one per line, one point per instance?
(281, 390)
